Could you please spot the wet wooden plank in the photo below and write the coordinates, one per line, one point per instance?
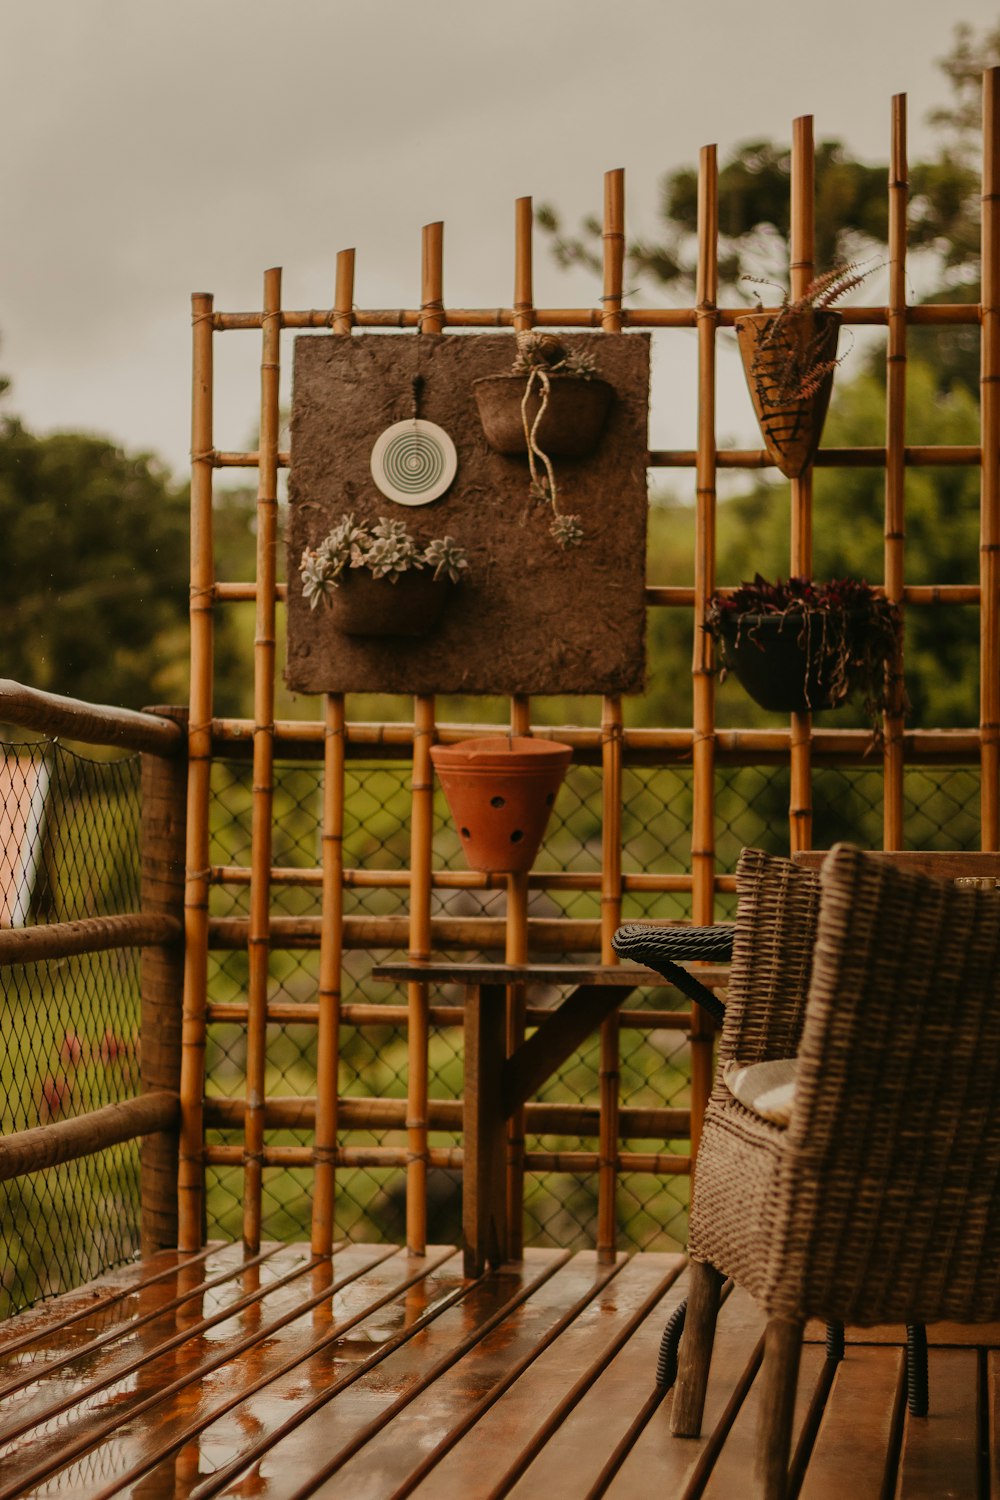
(939, 1455)
(164, 1325)
(601, 1421)
(49, 1320)
(245, 1402)
(515, 1427)
(193, 1280)
(852, 1449)
(176, 1364)
(947, 1335)
(731, 1468)
(659, 1463)
(327, 1438)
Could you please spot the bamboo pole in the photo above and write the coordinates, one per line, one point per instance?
(164, 804)
(302, 1013)
(516, 946)
(801, 243)
(989, 549)
(895, 473)
(27, 945)
(452, 1158)
(332, 874)
(421, 847)
(703, 664)
(330, 969)
(92, 723)
(259, 947)
(67, 1140)
(611, 786)
(191, 1177)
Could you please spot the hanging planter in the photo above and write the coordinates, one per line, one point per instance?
(410, 605)
(776, 348)
(571, 422)
(798, 646)
(380, 581)
(501, 790)
(789, 357)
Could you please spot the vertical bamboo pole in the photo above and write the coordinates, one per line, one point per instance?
(421, 845)
(802, 241)
(703, 754)
(164, 804)
(262, 807)
(611, 784)
(989, 538)
(895, 472)
(331, 948)
(516, 931)
(191, 1170)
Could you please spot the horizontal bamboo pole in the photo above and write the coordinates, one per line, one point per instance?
(306, 1013)
(953, 457)
(91, 723)
(294, 1113)
(244, 593)
(549, 934)
(67, 1140)
(303, 740)
(344, 1156)
(451, 1158)
(456, 880)
(917, 593)
(25, 945)
(930, 314)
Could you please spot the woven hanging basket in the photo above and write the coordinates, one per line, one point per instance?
(775, 348)
(412, 606)
(573, 421)
(780, 661)
(501, 790)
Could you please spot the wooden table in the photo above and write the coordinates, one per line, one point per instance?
(497, 1085)
(946, 864)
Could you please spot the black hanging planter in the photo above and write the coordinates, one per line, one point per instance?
(788, 663)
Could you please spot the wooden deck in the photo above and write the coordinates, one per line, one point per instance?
(386, 1375)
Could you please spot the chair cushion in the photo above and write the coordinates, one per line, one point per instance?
(768, 1088)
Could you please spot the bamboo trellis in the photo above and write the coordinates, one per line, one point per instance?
(705, 746)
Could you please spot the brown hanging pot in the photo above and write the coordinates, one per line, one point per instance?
(501, 789)
(789, 359)
(364, 605)
(570, 428)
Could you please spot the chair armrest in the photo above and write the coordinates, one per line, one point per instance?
(660, 948)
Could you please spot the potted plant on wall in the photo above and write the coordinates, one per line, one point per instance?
(551, 405)
(797, 646)
(501, 789)
(789, 357)
(379, 580)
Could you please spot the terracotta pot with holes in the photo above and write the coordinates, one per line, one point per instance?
(501, 789)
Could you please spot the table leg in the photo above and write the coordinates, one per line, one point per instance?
(484, 1207)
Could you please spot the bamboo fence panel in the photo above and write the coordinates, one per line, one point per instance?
(801, 242)
(191, 1176)
(611, 783)
(704, 746)
(703, 664)
(989, 564)
(895, 470)
(262, 804)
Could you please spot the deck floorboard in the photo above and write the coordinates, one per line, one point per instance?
(378, 1375)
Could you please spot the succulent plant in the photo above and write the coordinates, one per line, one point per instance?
(386, 550)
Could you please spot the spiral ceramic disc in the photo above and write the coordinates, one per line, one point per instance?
(414, 462)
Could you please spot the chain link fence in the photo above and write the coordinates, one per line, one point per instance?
(69, 1038)
(942, 811)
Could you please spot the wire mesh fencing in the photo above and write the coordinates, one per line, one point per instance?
(560, 1208)
(69, 1039)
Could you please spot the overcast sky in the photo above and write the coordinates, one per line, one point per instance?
(155, 149)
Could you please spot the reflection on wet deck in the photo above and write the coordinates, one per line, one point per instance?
(380, 1374)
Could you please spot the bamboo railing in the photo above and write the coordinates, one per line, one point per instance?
(154, 1116)
(337, 739)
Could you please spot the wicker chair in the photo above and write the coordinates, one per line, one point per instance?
(879, 1201)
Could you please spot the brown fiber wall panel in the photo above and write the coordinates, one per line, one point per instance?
(528, 617)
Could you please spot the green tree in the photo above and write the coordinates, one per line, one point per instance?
(96, 571)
